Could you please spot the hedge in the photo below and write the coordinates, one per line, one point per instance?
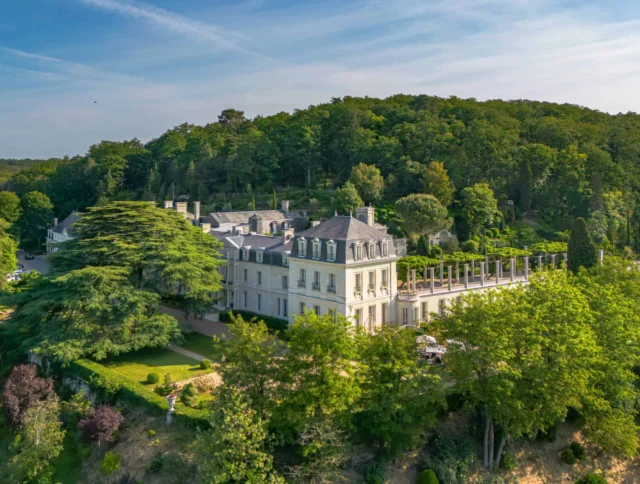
(114, 387)
(275, 324)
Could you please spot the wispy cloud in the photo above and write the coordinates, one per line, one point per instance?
(219, 37)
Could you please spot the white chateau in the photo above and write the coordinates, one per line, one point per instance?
(346, 265)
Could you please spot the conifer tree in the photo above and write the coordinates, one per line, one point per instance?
(423, 246)
(581, 250)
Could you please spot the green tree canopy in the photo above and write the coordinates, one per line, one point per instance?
(422, 213)
(347, 199)
(368, 181)
(10, 207)
(36, 217)
(479, 207)
(581, 251)
(8, 248)
(438, 184)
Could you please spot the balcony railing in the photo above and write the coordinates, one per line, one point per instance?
(331, 289)
(315, 286)
(302, 283)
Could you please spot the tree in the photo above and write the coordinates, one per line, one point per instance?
(479, 207)
(10, 207)
(36, 217)
(517, 365)
(422, 246)
(22, 390)
(346, 199)
(38, 443)
(250, 362)
(235, 448)
(438, 184)
(101, 424)
(581, 249)
(318, 380)
(8, 248)
(368, 181)
(422, 213)
(400, 396)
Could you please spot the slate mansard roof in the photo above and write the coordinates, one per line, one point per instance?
(66, 224)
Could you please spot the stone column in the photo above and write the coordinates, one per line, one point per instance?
(441, 273)
(564, 258)
(601, 256)
(473, 271)
(501, 269)
(415, 279)
(498, 270)
(512, 269)
(486, 266)
(457, 272)
(482, 273)
(526, 268)
(553, 261)
(424, 277)
(539, 260)
(466, 276)
(449, 278)
(432, 281)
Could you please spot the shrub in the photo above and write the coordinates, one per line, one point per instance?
(110, 463)
(578, 450)
(189, 395)
(152, 433)
(470, 246)
(101, 424)
(167, 387)
(435, 252)
(375, 473)
(205, 364)
(274, 324)
(568, 457)
(22, 390)
(153, 378)
(591, 478)
(428, 477)
(156, 463)
(508, 461)
(548, 435)
(450, 459)
(204, 383)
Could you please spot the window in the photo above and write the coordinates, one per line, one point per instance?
(416, 315)
(316, 309)
(244, 299)
(442, 306)
(372, 280)
(285, 307)
(302, 247)
(425, 311)
(302, 307)
(245, 254)
(259, 301)
(358, 282)
(316, 249)
(285, 282)
(372, 317)
(371, 250)
(331, 250)
(358, 251)
(259, 256)
(332, 283)
(334, 314)
(384, 282)
(358, 317)
(405, 316)
(302, 281)
(385, 248)
(246, 275)
(285, 261)
(259, 278)
(316, 280)
(278, 306)
(385, 310)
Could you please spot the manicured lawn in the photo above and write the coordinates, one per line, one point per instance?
(136, 366)
(201, 344)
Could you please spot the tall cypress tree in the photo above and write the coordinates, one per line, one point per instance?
(582, 250)
(423, 246)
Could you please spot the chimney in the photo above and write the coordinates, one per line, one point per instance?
(196, 213)
(181, 207)
(168, 204)
(285, 206)
(315, 223)
(206, 227)
(366, 215)
(55, 221)
(287, 235)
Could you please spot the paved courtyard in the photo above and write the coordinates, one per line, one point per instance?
(197, 325)
(40, 263)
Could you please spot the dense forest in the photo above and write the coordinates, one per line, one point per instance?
(8, 168)
(546, 163)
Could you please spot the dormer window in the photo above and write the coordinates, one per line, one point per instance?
(302, 247)
(259, 256)
(315, 249)
(358, 251)
(372, 250)
(245, 254)
(285, 260)
(331, 250)
(385, 249)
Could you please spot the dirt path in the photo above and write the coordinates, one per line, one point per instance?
(187, 353)
(197, 325)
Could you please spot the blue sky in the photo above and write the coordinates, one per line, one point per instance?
(153, 65)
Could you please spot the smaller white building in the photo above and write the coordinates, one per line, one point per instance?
(61, 232)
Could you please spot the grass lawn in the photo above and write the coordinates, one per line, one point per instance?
(201, 344)
(136, 366)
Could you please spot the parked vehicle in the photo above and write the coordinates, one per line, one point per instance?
(29, 256)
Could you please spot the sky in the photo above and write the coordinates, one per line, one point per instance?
(76, 72)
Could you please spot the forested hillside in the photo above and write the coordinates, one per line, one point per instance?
(8, 168)
(546, 163)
